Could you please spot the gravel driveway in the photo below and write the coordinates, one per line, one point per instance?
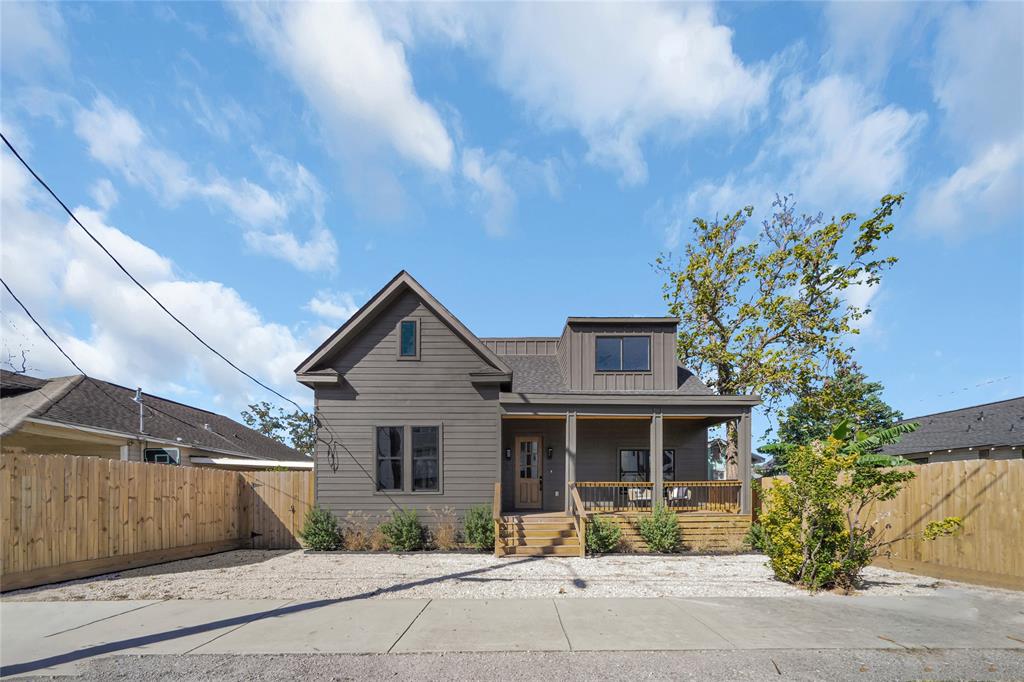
(249, 574)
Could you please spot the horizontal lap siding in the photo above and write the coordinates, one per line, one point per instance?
(379, 389)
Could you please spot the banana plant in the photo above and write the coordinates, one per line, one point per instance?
(867, 443)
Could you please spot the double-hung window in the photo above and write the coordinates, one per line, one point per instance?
(408, 458)
(623, 353)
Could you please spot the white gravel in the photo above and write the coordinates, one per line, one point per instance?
(250, 574)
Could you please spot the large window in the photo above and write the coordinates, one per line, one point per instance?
(623, 353)
(635, 465)
(408, 340)
(412, 449)
(426, 459)
(390, 457)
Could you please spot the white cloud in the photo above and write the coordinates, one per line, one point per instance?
(978, 196)
(116, 139)
(334, 306)
(492, 190)
(863, 36)
(978, 71)
(617, 73)
(61, 275)
(357, 80)
(32, 37)
(860, 295)
(103, 193)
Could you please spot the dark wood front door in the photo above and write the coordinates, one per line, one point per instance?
(528, 472)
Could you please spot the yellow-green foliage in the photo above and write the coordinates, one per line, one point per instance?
(947, 526)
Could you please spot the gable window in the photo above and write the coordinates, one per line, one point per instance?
(390, 457)
(634, 465)
(623, 353)
(408, 340)
(162, 456)
(425, 459)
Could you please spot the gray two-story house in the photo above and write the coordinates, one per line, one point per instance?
(415, 410)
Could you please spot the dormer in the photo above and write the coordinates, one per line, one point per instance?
(619, 353)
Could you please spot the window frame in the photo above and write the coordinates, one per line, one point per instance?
(398, 339)
(377, 459)
(620, 450)
(412, 460)
(176, 460)
(407, 457)
(620, 338)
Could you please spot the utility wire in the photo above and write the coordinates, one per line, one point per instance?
(331, 445)
(138, 283)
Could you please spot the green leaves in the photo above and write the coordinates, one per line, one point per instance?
(291, 428)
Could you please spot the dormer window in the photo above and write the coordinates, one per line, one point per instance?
(409, 340)
(623, 353)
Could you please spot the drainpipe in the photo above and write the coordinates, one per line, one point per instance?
(138, 399)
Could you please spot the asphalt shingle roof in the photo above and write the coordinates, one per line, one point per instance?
(99, 404)
(992, 424)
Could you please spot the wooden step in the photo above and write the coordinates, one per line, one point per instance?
(539, 542)
(555, 550)
(536, 518)
(541, 526)
(539, 533)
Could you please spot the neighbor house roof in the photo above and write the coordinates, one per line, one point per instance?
(995, 424)
(83, 402)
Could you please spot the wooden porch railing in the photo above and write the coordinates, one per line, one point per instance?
(499, 543)
(579, 517)
(682, 496)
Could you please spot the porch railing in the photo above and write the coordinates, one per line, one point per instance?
(682, 496)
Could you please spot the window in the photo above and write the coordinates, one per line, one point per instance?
(623, 353)
(984, 453)
(634, 465)
(390, 457)
(426, 459)
(162, 456)
(412, 449)
(408, 340)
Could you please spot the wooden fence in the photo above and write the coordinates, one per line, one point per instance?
(64, 517)
(987, 494)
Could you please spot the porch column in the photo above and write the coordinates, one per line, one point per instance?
(570, 452)
(743, 433)
(657, 453)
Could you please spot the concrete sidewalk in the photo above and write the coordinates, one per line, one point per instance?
(56, 637)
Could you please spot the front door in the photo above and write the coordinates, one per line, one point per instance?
(528, 472)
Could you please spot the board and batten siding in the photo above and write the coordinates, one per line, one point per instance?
(540, 345)
(599, 442)
(380, 389)
(578, 346)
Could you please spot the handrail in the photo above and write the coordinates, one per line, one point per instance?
(579, 517)
(682, 496)
(499, 544)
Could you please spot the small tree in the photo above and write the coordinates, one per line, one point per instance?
(815, 529)
(296, 429)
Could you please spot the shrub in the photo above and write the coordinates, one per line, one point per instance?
(660, 530)
(603, 535)
(754, 538)
(378, 541)
(479, 525)
(403, 531)
(320, 531)
(358, 529)
(445, 533)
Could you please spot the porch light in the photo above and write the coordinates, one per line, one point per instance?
(508, 453)
(551, 452)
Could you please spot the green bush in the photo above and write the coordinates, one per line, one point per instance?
(320, 530)
(603, 535)
(660, 530)
(404, 532)
(754, 538)
(479, 527)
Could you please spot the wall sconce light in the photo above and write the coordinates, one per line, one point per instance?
(551, 453)
(508, 453)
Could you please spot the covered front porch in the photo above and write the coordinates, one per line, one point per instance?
(604, 456)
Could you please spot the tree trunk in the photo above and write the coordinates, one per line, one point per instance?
(732, 450)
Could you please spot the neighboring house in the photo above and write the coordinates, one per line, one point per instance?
(717, 466)
(989, 431)
(79, 415)
(415, 410)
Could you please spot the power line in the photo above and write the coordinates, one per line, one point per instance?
(41, 328)
(138, 283)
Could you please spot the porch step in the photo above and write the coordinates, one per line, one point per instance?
(561, 541)
(538, 535)
(549, 550)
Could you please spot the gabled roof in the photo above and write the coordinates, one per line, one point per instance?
(990, 425)
(83, 402)
(399, 284)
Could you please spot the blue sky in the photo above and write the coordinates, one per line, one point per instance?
(265, 168)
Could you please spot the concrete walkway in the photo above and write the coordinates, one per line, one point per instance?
(56, 637)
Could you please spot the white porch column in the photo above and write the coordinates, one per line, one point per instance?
(570, 452)
(743, 463)
(657, 453)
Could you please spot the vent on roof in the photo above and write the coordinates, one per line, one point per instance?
(206, 426)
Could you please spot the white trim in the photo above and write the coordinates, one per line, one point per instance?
(253, 463)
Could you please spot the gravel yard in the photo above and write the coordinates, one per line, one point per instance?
(250, 574)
